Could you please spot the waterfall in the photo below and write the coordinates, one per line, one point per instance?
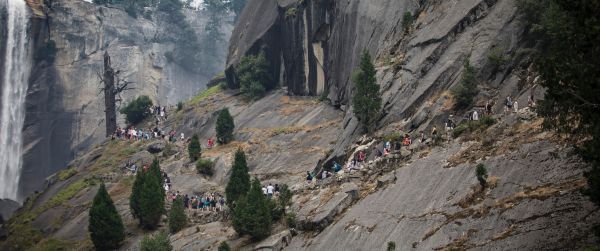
(17, 64)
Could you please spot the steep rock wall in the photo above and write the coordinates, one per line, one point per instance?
(64, 109)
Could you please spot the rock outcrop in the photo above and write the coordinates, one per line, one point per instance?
(64, 111)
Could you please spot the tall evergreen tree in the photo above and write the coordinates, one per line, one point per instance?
(225, 126)
(367, 100)
(566, 36)
(194, 148)
(252, 215)
(147, 201)
(177, 217)
(105, 224)
(239, 182)
(466, 91)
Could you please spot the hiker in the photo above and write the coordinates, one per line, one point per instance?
(434, 132)
(516, 106)
(270, 190)
(378, 153)
(488, 108)
(264, 190)
(210, 143)
(530, 100)
(182, 137)
(186, 201)
(309, 177)
(406, 141)
(336, 167)
(422, 136)
(449, 127)
(325, 174)
(475, 116)
(508, 104)
(387, 145)
(361, 156)
(386, 151)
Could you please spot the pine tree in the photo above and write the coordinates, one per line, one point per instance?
(225, 126)
(466, 91)
(481, 174)
(252, 214)
(239, 182)
(194, 148)
(105, 224)
(367, 100)
(147, 201)
(177, 216)
(134, 199)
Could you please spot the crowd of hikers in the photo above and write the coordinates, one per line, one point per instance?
(358, 159)
(271, 190)
(211, 202)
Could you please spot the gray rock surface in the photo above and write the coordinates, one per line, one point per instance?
(64, 112)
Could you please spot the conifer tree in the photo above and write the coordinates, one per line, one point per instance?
(177, 217)
(194, 148)
(105, 224)
(252, 215)
(239, 182)
(147, 201)
(367, 100)
(225, 126)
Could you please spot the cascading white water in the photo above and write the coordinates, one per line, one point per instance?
(17, 64)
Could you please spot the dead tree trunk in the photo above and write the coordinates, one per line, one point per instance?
(109, 96)
(113, 86)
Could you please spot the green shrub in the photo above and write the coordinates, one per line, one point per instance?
(137, 110)
(465, 92)
(105, 225)
(194, 148)
(497, 58)
(224, 127)
(366, 102)
(224, 247)
(239, 182)
(252, 214)
(177, 216)
(158, 242)
(391, 246)
(291, 12)
(487, 121)
(407, 20)
(290, 220)
(179, 106)
(255, 78)
(481, 174)
(205, 166)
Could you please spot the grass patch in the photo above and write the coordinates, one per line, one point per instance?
(69, 192)
(52, 245)
(67, 173)
(203, 95)
(129, 151)
(285, 130)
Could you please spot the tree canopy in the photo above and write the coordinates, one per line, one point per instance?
(367, 100)
(105, 225)
(239, 182)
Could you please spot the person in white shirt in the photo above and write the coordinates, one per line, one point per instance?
(270, 190)
(475, 116)
(264, 190)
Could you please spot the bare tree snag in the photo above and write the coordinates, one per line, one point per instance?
(112, 86)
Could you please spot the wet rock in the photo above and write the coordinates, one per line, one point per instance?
(156, 147)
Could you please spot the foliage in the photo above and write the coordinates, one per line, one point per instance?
(236, 6)
(224, 247)
(67, 173)
(239, 182)
(224, 126)
(137, 110)
(566, 37)
(290, 220)
(205, 166)
(147, 201)
(203, 95)
(105, 225)
(472, 126)
(252, 214)
(391, 246)
(407, 20)
(393, 137)
(291, 12)
(465, 92)
(481, 174)
(194, 148)
(68, 192)
(158, 242)
(367, 100)
(179, 106)
(254, 76)
(177, 217)
(285, 197)
(497, 58)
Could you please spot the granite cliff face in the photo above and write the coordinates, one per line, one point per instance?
(64, 114)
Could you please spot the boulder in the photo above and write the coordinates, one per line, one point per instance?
(156, 147)
(275, 242)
